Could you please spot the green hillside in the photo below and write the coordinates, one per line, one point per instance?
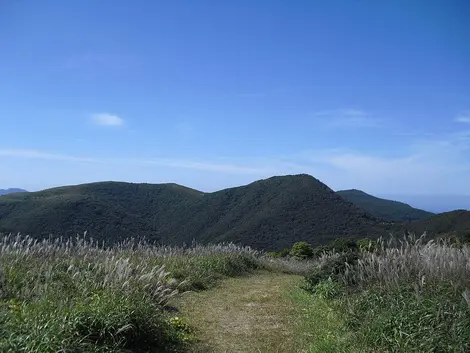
(388, 210)
(444, 224)
(271, 213)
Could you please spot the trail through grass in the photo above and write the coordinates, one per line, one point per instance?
(246, 314)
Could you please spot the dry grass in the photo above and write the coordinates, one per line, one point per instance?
(411, 260)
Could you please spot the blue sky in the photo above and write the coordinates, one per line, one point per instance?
(373, 95)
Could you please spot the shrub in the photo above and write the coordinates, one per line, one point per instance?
(301, 250)
(330, 266)
(278, 254)
(343, 245)
(321, 250)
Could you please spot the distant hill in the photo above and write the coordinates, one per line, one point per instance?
(271, 213)
(447, 223)
(10, 191)
(435, 203)
(388, 210)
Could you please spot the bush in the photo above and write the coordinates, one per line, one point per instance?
(343, 245)
(321, 250)
(278, 254)
(301, 250)
(331, 266)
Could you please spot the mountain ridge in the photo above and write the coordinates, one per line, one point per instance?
(269, 213)
(388, 210)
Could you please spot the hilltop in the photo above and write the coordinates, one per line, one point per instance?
(10, 191)
(388, 210)
(271, 213)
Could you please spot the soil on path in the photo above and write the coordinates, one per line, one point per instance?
(246, 314)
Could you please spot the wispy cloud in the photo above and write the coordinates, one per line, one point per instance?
(426, 166)
(105, 119)
(463, 118)
(35, 154)
(206, 166)
(430, 164)
(346, 118)
(161, 162)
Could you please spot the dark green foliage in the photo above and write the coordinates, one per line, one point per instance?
(278, 254)
(445, 224)
(268, 214)
(301, 250)
(320, 250)
(343, 245)
(331, 268)
(340, 245)
(388, 210)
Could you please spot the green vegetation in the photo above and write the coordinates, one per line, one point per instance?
(321, 325)
(272, 214)
(304, 251)
(408, 296)
(112, 295)
(388, 210)
(267, 214)
(74, 296)
(301, 250)
(367, 296)
(448, 224)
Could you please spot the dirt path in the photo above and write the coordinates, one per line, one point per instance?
(246, 314)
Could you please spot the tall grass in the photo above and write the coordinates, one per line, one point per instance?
(74, 295)
(411, 295)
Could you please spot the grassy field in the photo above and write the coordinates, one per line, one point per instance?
(75, 296)
(406, 296)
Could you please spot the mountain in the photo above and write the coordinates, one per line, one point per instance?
(388, 210)
(10, 191)
(271, 213)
